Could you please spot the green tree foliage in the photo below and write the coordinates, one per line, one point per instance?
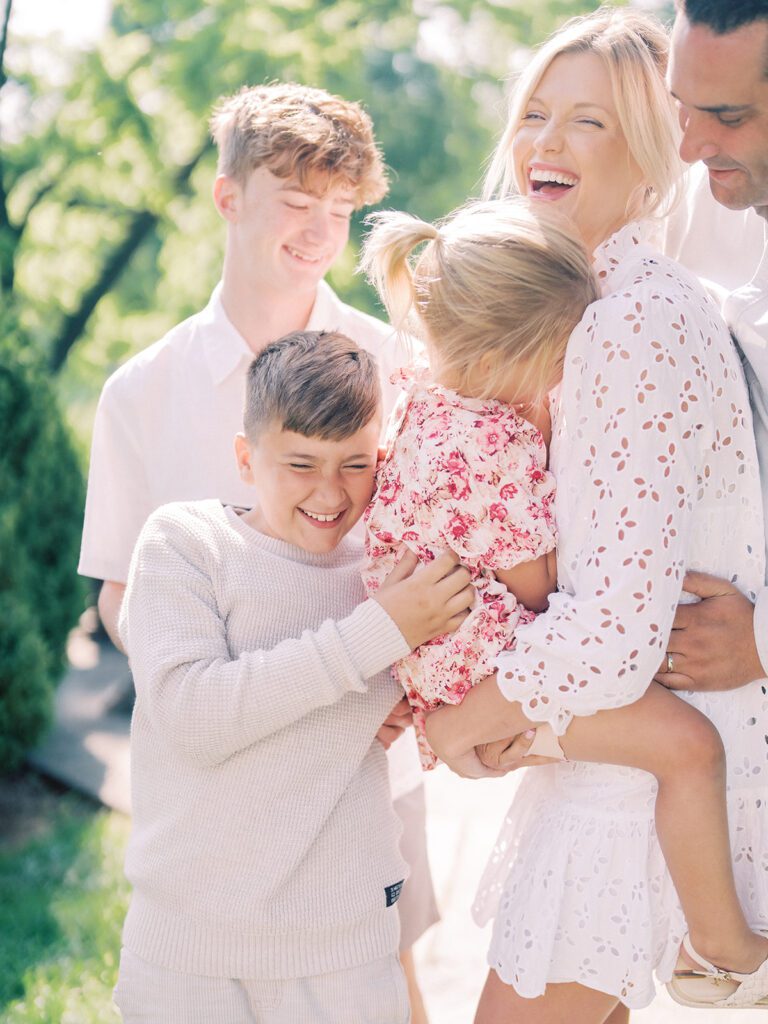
(41, 499)
(110, 235)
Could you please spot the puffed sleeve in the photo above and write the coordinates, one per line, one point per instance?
(490, 497)
(643, 373)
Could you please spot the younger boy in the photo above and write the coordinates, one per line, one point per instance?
(264, 857)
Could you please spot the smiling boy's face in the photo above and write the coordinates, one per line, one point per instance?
(310, 492)
(288, 237)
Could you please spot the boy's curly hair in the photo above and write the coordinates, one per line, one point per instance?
(296, 131)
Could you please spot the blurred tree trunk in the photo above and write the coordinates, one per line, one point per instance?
(141, 225)
(9, 234)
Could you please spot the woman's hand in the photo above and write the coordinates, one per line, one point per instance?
(429, 600)
(444, 736)
(469, 766)
(510, 754)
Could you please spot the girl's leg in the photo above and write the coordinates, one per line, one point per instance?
(663, 735)
(560, 1004)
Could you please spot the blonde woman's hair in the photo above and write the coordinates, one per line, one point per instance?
(497, 283)
(634, 47)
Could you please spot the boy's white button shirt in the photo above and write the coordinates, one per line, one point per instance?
(165, 425)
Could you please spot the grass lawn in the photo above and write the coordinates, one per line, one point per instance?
(62, 902)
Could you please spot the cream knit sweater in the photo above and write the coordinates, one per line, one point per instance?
(264, 844)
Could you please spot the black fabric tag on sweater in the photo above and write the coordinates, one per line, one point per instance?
(392, 892)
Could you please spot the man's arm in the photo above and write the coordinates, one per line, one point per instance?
(109, 604)
(719, 643)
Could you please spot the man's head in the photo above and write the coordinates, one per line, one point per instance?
(294, 163)
(718, 74)
(311, 432)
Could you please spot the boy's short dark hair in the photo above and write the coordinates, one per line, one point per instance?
(314, 383)
(722, 16)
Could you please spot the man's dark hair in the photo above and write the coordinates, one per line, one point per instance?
(723, 15)
(313, 383)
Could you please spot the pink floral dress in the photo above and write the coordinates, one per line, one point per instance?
(470, 475)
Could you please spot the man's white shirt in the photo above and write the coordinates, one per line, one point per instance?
(723, 247)
(746, 313)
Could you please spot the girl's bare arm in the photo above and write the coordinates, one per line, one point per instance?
(532, 582)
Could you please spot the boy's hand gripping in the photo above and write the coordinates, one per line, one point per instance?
(429, 600)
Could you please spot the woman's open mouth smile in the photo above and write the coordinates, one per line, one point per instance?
(550, 182)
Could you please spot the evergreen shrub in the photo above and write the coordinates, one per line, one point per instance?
(41, 507)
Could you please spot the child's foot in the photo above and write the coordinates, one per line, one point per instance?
(698, 982)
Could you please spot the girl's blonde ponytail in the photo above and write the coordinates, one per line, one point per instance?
(385, 260)
(501, 284)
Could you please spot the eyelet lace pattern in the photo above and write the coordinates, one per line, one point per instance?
(654, 458)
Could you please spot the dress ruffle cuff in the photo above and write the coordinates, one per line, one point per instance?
(528, 690)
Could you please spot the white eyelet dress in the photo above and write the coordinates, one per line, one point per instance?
(654, 457)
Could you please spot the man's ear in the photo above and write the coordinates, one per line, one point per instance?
(227, 196)
(243, 456)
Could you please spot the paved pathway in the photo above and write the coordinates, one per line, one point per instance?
(88, 750)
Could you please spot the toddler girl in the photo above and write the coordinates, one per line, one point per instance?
(495, 293)
(498, 292)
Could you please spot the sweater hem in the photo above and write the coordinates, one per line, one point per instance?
(216, 950)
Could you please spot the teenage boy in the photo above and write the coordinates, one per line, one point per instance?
(263, 856)
(294, 163)
(719, 76)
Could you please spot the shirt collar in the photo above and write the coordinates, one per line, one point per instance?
(226, 350)
(327, 310)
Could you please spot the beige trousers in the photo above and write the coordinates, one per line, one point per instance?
(375, 993)
(417, 906)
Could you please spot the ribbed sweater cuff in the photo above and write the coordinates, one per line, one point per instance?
(372, 639)
(761, 628)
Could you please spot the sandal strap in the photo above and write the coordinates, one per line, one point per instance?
(753, 988)
(698, 959)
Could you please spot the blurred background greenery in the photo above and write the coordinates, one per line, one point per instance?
(107, 232)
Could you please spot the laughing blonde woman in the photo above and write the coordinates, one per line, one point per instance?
(656, 471)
